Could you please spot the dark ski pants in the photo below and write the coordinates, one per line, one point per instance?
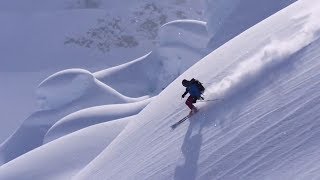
(190, 102)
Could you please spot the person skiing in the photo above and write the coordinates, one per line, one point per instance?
(195, 89)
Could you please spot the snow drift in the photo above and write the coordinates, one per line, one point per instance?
(41, 37)
(91, 116)
(80, 147)
(153, 72)
(62, 93)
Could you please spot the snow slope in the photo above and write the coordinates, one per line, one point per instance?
(59, 95)
(81, 147)
(180, 44)
(71, 90)
(91, 116)
(264, 125)
(264, 128)
(41, 37)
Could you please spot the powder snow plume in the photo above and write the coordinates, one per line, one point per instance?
(273, 55)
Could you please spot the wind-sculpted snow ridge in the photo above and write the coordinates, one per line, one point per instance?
(94, 115)
(66, 86)
(63, 158)
(62, 93)
(63, 87)
(180, 45)
(190, 33)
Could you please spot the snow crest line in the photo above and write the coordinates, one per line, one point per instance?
(62, 88)
(268, 58)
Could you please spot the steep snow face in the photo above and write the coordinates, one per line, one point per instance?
(228, 18)
(264, 126)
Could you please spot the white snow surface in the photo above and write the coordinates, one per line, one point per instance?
(41, 37)
(91, 116)
(264, 126)
(261, 124)
(63, 93)
(173, 55)
(80, 148)
(71, 90)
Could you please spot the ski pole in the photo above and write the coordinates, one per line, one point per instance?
(209, 100)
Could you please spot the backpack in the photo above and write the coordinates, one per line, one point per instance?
(198, 84)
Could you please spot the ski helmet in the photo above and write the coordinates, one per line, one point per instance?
(185, 82)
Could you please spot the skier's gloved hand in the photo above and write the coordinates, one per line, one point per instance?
(182, 95)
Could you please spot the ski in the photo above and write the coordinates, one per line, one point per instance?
(180, 121)
(209, 100)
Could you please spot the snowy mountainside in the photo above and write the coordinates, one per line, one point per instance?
(59, 95)
(39, 38)
(264, 128)
(91, 116)
(264, 125)
(67, 92)
(80, 148)
(181, 43)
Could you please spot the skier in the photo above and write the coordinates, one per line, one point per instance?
(195, 89)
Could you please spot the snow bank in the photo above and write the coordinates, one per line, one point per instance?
(187, 32)
(63, 158)
(69, 85)
(63, 87)
(90, 116)
(180, 45)
(142, 73)
(59, 95)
